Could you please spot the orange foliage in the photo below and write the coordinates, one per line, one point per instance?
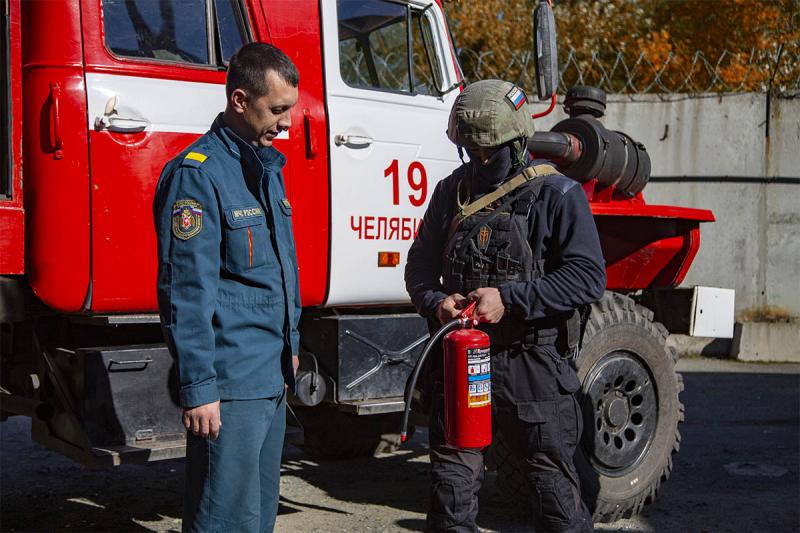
(689, 45)
(492, 32)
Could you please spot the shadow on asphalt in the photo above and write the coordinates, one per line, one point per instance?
(43, 491)
(737, 471)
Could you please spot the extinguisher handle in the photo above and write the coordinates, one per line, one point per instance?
(469, 310)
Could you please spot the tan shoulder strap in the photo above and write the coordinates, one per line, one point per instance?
(527, 174)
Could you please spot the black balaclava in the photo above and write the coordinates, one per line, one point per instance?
(508, 160)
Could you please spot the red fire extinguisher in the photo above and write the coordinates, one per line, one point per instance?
(467, 391)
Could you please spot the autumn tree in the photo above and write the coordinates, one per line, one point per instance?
(639, 45)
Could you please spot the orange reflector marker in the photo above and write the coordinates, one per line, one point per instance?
(388, 259)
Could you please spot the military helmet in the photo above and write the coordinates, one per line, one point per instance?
(489, 113)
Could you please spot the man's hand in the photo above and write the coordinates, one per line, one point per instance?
(295, 366)
(450, 308)
(203, 420)
(490, 306)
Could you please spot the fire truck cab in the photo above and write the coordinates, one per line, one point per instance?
(98, 94)
(120, 87)
(93, 110)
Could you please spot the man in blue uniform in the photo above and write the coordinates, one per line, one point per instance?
(229, 297)
(517, 238)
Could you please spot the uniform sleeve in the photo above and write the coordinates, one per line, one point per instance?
(424, 266)
(188, 277)
(579, 277)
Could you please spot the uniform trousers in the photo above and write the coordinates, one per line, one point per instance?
(232, 483)
(535, 409)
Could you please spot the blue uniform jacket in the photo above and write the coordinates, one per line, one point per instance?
(228, 291)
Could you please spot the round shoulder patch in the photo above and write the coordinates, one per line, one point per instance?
(187, 219)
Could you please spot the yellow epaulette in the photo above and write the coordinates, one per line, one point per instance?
(194, 159)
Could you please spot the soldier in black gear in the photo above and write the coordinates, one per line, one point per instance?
(518, 238)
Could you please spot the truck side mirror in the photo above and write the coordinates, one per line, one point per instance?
(544, 44)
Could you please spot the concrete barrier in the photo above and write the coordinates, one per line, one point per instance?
(767, 341)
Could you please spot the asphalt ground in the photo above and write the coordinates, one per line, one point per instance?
(737, 472)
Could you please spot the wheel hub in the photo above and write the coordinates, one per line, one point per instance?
(616, 412)
(621, 407)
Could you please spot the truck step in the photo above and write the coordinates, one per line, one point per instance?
(373, 407)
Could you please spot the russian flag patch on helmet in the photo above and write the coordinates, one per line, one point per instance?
(516, 97)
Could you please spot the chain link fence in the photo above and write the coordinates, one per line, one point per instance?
(697, 75)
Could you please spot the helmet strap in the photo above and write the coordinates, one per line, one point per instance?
(519, 147)
(461, 154)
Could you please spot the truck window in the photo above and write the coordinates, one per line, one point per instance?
(427, 67)
(175, 30)
(231, 27)
(374, 48)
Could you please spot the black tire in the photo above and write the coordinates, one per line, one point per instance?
(630, 424)
(332, 433)
(637, 415)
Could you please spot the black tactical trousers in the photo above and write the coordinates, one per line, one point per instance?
(535, 409)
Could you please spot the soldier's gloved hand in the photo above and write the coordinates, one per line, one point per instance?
(490, 306)
(203, 420)
(450, 308)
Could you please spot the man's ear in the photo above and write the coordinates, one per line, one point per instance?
(239, 100)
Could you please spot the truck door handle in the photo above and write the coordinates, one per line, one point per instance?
(111, 121)
(352, 141)
(311, 140)
(58, 142)
(119, 124)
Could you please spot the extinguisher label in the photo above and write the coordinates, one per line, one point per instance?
(479, 377)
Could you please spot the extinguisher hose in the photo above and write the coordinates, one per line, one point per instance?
(412, 380)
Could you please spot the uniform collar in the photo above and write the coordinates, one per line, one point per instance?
(256, 159)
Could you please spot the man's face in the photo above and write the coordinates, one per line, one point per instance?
(267, 116)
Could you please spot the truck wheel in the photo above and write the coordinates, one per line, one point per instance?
(332, 433)
(631, 413)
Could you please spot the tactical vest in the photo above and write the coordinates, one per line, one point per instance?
(491, 247)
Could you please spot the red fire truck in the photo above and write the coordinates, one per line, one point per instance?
(96, 95)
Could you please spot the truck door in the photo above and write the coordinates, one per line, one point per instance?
(155, 75)
(390, 84)
(12, 220)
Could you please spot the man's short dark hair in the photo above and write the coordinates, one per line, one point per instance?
(248, 67)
